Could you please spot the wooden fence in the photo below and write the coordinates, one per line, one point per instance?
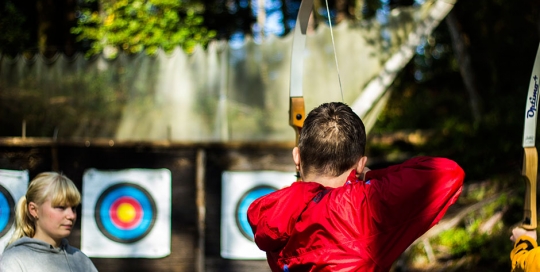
(196, 189)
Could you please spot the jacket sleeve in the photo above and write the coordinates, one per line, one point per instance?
(272, 216)
(417, 192)
(402, 202)
(526, 255)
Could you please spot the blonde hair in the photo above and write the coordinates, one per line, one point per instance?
(57, 188)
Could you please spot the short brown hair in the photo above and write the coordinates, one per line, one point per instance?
(332, 140)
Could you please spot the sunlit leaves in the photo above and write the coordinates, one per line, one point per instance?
(135, 26)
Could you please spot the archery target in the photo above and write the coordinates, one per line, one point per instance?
(126, 213)
(7, 211)
(13, 185)
(239, 190)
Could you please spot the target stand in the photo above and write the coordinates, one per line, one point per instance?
(126, 213)
(239, 190)
(13, 185)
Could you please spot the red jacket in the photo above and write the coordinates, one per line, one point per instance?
(361, 226)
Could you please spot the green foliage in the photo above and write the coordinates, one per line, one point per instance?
(12, 36)
(470, 239)
(485, 248)
(463, 241)
(135, 26)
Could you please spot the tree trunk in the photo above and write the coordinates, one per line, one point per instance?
(341, 11)
(285, 11)
(261, 16)
(464, 60)
(55, 19)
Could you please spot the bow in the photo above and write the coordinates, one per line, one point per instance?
(530, 155)
(297, 109)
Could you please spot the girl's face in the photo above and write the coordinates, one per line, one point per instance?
(53, 222)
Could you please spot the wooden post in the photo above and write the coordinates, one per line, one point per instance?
(54, 151)
(23, 129)
(201, 210)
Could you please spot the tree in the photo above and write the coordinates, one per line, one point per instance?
(135, 26)
(12, 21)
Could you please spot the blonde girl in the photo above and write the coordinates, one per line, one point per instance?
(44, 218)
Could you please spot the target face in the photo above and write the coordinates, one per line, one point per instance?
(243, 205)
(7, 211)
(13, 185)
(125, 213)
(239, 190)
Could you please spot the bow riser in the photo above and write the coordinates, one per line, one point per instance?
(297, 115)
(529, 170)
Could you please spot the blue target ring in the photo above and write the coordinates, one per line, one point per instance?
(7, 211)
(243, 205)
(125, 212)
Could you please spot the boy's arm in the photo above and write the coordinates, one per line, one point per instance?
(420, 189)
(272, 215)
(526, 255)
(405, 200)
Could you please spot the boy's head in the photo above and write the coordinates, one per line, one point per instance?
(332, 141)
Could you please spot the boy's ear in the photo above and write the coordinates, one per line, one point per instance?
(296, 156)
(361, 164)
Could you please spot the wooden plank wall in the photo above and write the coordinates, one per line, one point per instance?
(73, 158)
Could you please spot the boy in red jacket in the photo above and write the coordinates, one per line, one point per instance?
(337, 220)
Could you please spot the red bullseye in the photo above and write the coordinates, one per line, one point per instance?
(126, 212)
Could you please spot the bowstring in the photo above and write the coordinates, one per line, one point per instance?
(334, 47)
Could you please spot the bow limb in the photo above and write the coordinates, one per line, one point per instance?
(529, 170)
(296, 105)
(530, 155)
(297, 111)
